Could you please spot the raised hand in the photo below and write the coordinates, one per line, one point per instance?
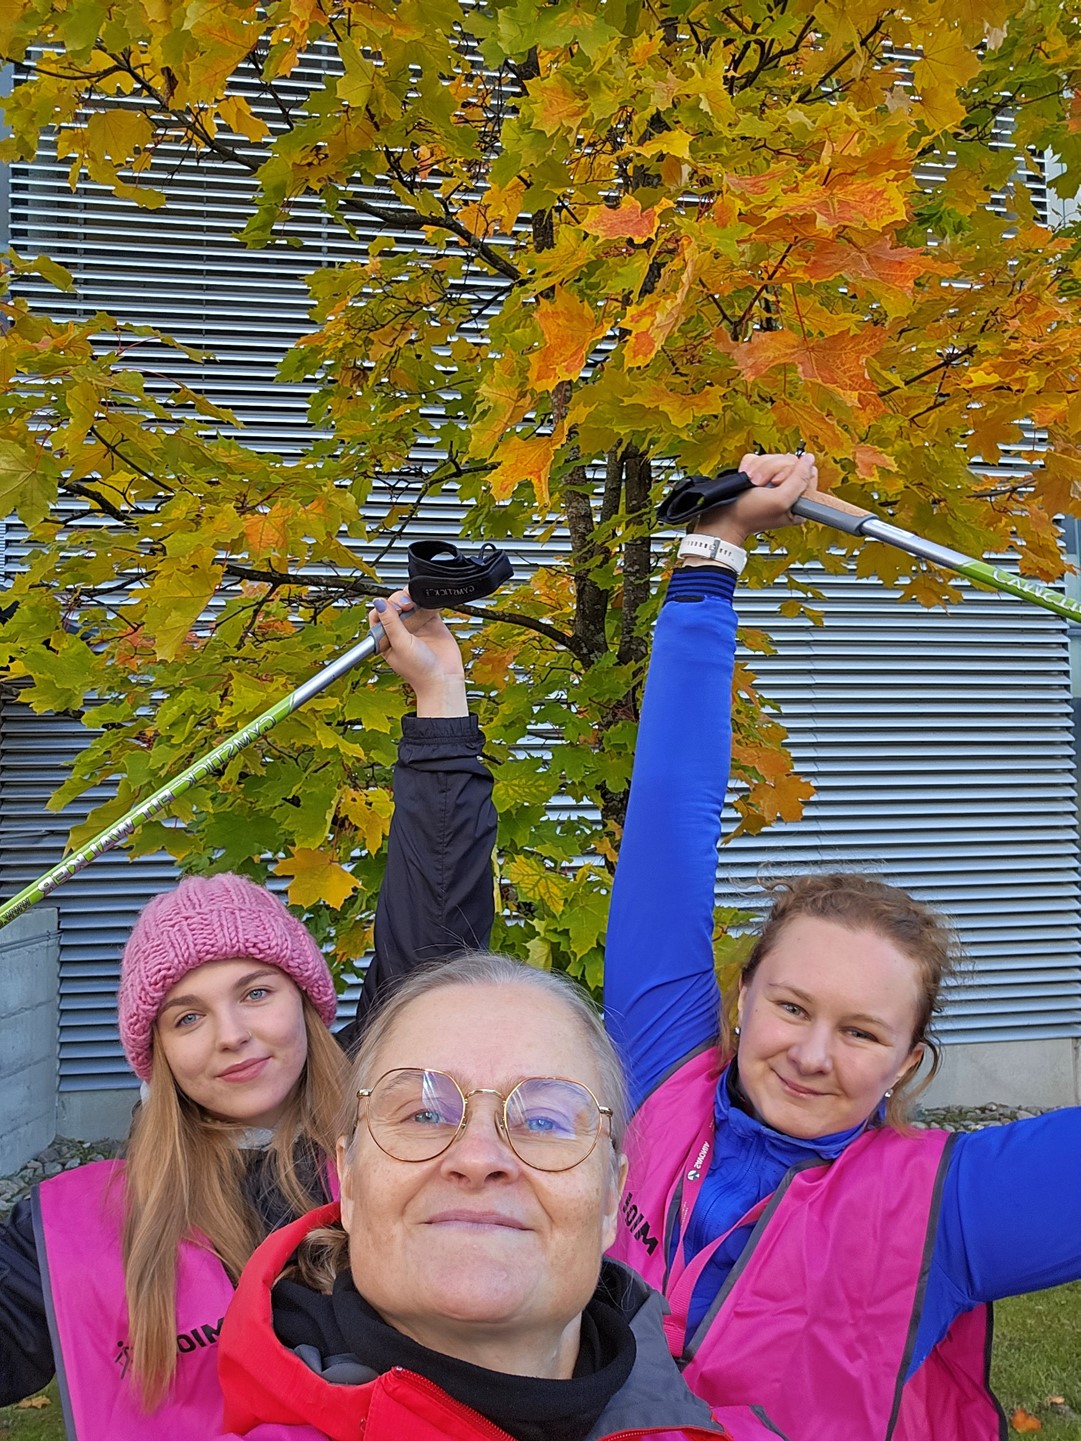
(779, 481)
(424, 654)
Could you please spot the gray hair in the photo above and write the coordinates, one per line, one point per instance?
(486, 968)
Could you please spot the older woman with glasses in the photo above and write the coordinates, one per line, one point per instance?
(459, 1292)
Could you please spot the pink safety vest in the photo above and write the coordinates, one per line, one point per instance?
(818, 1317)
(78, 1217)
(78, 1220)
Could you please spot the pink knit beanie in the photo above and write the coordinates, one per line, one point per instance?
(211, 918)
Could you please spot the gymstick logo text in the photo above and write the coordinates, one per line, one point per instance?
(699, 1160)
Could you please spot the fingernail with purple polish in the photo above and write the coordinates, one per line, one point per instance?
(380, 604)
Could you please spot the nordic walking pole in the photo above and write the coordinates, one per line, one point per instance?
(701, 493)
(432, 582)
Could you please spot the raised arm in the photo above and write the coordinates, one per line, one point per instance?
(437, 897)
(660, 991)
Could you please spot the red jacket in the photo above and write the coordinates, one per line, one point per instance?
(272, 1395)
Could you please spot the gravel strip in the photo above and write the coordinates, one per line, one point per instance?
(62, 1155)
(971, 1118)
(65, 1155)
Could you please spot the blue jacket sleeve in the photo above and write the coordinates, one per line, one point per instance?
(1010, 1219)
(660, 989)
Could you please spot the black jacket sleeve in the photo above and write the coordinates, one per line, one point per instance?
(26, 1348)
(437, 897)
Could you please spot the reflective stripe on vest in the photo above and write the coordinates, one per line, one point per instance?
(829, 1287)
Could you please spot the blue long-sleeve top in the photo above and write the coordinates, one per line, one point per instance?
(1010, 1219)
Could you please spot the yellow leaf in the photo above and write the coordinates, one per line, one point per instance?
(535, 882)
(669, 142)
(370, 811)
(528, 458)
(119, 134)
(176, 598)
(235, 112)
(948, 62)
(570, 328)
(560, 104)
(32, 1403)
(504, 204)
(316, 877)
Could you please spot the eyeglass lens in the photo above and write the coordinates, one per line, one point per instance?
(550, 1124)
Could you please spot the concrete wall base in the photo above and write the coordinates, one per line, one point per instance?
(1037, 1074)
(29, 960)
(95, 1115)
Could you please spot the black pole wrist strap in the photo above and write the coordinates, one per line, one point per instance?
(440, 575)
(699, 493)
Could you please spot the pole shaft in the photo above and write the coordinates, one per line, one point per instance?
(870, 527)
(207, 765)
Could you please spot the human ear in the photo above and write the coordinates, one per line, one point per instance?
(345, 1182)
(741, 998)
(912, 1063)
(610, 1219)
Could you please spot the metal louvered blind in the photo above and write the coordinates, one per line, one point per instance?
(940, 745)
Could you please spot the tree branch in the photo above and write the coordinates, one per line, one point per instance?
(371, 588)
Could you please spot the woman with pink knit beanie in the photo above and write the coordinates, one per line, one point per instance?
(117, 1275)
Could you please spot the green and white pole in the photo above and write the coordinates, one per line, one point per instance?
(210, 764)
(853, 521)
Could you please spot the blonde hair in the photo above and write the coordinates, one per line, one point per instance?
(184, 1181)
(861, 902)
(324, 1254)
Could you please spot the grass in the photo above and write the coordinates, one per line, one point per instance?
(1037, 1356)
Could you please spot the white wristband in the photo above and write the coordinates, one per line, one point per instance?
(711, 547)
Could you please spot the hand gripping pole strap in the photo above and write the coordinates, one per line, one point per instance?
(440, 575)
(699, 493)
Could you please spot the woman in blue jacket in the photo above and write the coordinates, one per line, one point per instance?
(811, 1246)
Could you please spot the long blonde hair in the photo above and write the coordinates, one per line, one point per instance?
(184, 1182)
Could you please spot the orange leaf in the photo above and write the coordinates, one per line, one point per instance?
(267, 532)
(651, 322)
(848, 200)
(895, 266)
(627, 221)
(560, 104)
(569, 327)
(839, 362)
(870, 459)
(475, 219)
(523, 458)
(1022, 1420)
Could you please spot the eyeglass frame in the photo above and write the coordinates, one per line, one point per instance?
(502, 1130)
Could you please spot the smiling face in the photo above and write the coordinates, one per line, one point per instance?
(233, 1034)
(474, 1253)
(826, 1027)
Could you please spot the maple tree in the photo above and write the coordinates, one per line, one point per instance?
(612, 240)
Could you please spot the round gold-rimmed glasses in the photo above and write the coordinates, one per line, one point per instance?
(549, 1123)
